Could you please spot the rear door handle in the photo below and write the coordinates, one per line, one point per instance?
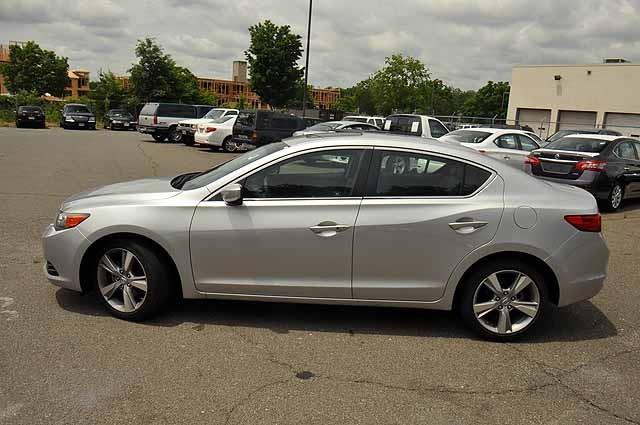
(467, 227)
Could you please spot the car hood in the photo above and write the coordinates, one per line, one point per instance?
(138, 191)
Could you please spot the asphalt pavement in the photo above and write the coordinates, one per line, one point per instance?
(64, 360)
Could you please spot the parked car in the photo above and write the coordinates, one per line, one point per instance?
(119, 119)
(188, 127)
(561, 133)
(32, 116)
(216, 133)
(377, 121)
(259, 127)
(160, 120)
(510, 146)
(415, 125)
(335, 126)
(76, 115)
(309, 121)
(606, 166)
(457, 235)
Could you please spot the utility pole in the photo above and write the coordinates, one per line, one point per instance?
(306, 66)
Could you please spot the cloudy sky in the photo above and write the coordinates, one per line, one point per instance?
(465, 43)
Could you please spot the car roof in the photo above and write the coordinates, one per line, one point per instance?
(606, 137)
(413, 115)
(494, 130)
(344, 122)
(363, 116)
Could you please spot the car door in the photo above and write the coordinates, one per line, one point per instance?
(421, 215)
(505, 149)
(293, 234)
(626, 153)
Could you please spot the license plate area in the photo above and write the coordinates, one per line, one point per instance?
(556, 167)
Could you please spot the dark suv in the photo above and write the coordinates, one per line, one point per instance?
(76, 115)
(30, 116)
(260, 127)
(606, 166)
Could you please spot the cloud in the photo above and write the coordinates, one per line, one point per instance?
(463, 42)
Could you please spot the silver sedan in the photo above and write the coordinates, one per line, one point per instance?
(361, 219)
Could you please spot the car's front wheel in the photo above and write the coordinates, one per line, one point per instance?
(503, 300)
(132, 280)
(158, 137)
(174, 135)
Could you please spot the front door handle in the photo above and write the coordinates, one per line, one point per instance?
(467, 227)
(507, 157)
(327, 229)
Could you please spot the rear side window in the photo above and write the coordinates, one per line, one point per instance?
(247, 119)
(526, 144)
(625, 150)
(148, 109)
(411, 174)
(437, 129)
(379, 122)
(176, 111)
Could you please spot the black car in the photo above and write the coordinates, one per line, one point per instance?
(561, 133)
(606, 166)
(119, 119)
(260, 127)
(77, 115)
(32, 116)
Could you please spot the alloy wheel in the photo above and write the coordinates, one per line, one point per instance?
(616, 196)
(229, 146)
(506, 302)
(122, 280)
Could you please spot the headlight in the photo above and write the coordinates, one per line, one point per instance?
(92, 119)
(194, 126)
(115, 122)
(69, 220)
(69, 119)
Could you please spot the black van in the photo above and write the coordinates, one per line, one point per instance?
(259, 127)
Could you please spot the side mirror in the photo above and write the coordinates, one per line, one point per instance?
(232, 194)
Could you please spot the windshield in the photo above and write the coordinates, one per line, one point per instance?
(214, 114)
(468, 136)
(220, 171)
(325, 126)
(578, 144)
(121, 114)
(223, 119)
(77, 109)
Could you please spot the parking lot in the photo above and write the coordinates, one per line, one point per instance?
(63, 359)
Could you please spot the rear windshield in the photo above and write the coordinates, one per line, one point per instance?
(78, 109)
(29, 109)
(149, 109)
(355, 119)
(176, 111)
(468, 136)
(578, 144)
(408, 124)
(238, 162)
(562, 133)
(325, 126)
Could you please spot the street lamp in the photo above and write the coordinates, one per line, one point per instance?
(306, 66)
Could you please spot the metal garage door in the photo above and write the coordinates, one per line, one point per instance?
(571, 120)
(627, 124)
(537, 119)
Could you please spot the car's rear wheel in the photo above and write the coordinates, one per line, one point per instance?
(229, 146)
(131, 280)
(614, 201)
(159, 137)
(503, 300)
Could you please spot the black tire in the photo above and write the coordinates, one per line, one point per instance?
(159, 277)
(475, 279)
(174, 136)
(159, 137)
(18, 125)
(188, 140)
(612, 204)
(228, 147)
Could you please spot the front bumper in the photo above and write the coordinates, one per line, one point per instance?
(581, 267)
(64, 250)
(153, 130)
(80, 124)
(186, 131)
(122, 125)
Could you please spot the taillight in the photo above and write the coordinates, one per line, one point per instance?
(532, 160)
(591, 165)
(155, 119)
(210, 129)
(254, 136)
(585, 223)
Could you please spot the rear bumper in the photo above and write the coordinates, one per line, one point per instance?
(207, 139)
(591, 181)
(581, 267)
(26, 121)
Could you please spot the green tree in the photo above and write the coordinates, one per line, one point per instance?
(296, 101)
(400, 85)
(489, 101)
(155, 75)
(33, 69)
(207, 98)
(273, 60)
(184, 88)
(107, 93)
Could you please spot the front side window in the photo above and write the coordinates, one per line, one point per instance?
(625, 150)
(507, 141)
(526, 144)
(411, 174)
(437, 129)
(325, 174)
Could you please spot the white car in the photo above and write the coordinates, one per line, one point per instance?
(415, 125)
(187, 128)
(377, 121)
(510, 146)
(336, 125)
(215, 133)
